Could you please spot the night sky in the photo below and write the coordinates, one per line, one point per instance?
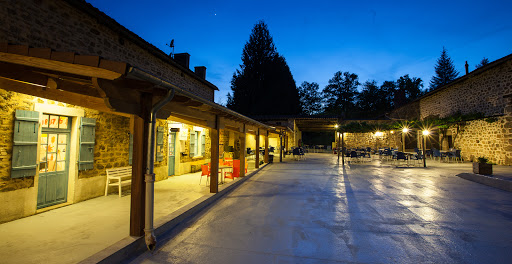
(376, 40)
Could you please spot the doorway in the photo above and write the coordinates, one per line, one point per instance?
(172, 153)
(53, 160)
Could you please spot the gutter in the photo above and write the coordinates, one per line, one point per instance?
(139, 74)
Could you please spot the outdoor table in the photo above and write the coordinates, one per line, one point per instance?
(409, 154)
(223, 169)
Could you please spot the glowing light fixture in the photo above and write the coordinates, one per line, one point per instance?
(379, 134)
(405, 130)
(392, 131)
(336, 126)
(426, 132)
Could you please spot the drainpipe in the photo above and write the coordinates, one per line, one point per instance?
(150, 175)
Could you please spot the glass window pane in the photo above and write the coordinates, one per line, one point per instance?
(42, 167)
(52, 143)
(63, 122)
(54, 121)
(42, 153)
(62, 139)
(61, 153)
(44, 138)
(44, 122)
(61, 165)
(51, 162)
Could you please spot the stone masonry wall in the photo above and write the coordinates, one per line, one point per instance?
(363, 140)
(111, 148)
(57, 25)
(482, 139)
(480, 93)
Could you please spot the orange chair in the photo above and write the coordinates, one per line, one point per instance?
(246, 166)
(228, 161)
(235, 172)
(205, 171)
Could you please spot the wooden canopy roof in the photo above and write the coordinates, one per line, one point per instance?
(108, 86)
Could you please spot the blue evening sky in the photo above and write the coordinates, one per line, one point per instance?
(378, 40)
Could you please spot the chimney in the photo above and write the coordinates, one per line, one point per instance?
(200, 71)
(467, 67)
(182, 59)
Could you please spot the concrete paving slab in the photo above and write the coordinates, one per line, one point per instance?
(317, 211)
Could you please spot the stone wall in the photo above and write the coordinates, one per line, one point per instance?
(481, 92)
(57, 25)
(363, 140)
(483, 139)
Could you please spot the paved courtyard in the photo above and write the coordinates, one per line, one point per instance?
(316, 211)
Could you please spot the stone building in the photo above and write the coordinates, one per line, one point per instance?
(77, 91)
(486, 91)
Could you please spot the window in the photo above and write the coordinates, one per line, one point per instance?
(193, 143)
(203, 143)
(197, 143)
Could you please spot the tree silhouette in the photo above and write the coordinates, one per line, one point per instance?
(340, 93)
(445, 71)
(310, 98)
(482, 63)
(264, 84)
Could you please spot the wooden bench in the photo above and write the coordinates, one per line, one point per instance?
(118, 177)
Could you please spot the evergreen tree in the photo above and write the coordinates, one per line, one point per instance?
(310, 98)
(340, 94)
(264, 84)
(445, 71)
(482, 63)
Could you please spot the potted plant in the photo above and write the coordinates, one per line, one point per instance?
(482, 166)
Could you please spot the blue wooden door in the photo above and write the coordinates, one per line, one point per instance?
(53, 161)
(172, 154)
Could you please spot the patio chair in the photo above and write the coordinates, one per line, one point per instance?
(205, 171)
(235, 172)
(401, 156)
(353, 154)
(436, 154)
(457, 156)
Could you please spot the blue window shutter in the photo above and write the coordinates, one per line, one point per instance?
(131, 150)
(203, 144)
(159, 143)
(192, 144)
(24, 149)
(87, 137)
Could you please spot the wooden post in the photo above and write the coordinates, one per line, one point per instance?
(214, 163)
(281, 148)
(338, 146)
(266, 147)
(257, 165)
(139, 164)
(343, 147)
(423, 151)
(285, 143)
(243, 151)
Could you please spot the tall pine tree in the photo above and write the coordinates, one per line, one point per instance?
(264, 84)
(445, 71)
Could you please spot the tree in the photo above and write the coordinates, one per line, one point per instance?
(264, 83)
(310, 98)
(370, 100)
(388, 89)
(482, 63)
(445, 71)
(340, 93)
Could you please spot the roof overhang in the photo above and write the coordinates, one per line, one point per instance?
(108, 86)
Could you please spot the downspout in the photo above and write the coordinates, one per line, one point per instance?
(150, 175)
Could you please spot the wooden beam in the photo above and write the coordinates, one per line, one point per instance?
(57, 95)
(257, 165)
(139, 164)
(214, 164)
(266, 146)
(243, 150)
(59, 66)
(117, 98)
(184, 112)
(188, 120)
